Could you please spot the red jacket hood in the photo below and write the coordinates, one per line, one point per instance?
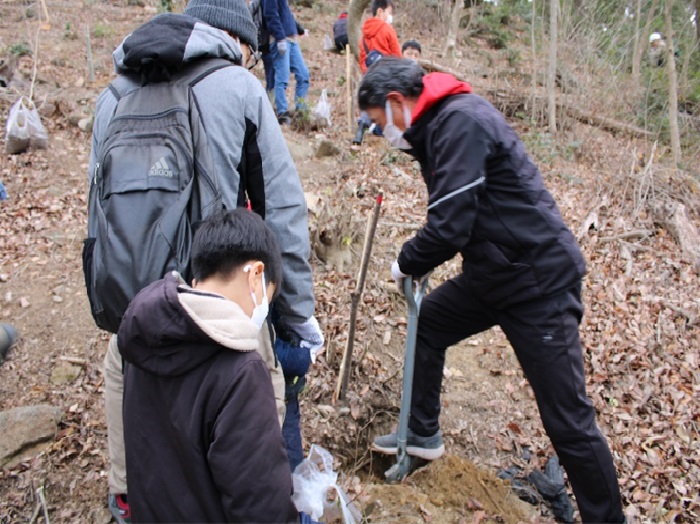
(372, 26)
(437, 86)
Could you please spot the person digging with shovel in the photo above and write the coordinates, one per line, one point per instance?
(521, 268)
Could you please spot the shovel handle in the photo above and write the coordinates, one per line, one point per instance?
(413, 300)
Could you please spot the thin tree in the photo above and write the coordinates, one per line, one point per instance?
(535, 65)
(672, 87)
(355, 10)
(552, 66)
(453, 28)
(641, 41)
(637, 42)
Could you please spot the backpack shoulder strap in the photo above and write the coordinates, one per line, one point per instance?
(121, 86)
(203, 68)
(191, 75)
(364, 43)
(199, 70)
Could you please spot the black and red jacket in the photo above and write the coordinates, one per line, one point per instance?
(487, 201)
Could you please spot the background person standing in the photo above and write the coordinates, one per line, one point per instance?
(286, 58)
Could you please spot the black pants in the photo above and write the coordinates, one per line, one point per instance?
(544, 334)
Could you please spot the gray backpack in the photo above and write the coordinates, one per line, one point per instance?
(153, 180)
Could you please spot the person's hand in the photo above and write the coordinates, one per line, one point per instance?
(309, 334)
(282, 46)
(398, 275)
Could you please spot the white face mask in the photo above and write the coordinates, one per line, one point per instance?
(389, 19)
(260, 311)
(392, 133)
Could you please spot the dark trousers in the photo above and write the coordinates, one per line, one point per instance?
(269, 68)
(291, 430)
(544, 334)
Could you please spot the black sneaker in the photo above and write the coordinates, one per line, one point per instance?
(284, 119)
(120, 508)
(428, 448)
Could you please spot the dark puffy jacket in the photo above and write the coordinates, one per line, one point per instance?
(203, 441)
(340, 32)
(487, 201)
(279, 19)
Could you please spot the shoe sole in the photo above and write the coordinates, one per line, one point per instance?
(424, 453)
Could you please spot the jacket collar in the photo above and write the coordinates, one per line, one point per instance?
(167, 42)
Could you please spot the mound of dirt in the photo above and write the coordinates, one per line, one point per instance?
(451, 489)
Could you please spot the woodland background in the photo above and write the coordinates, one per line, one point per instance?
(617, 142)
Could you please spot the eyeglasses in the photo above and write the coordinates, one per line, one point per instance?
(253, 60)
(253, 57)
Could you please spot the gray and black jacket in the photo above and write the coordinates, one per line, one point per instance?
(487, 201)
(245, 139)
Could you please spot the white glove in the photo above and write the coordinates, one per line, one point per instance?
(282, 46)
(398, 275)
(310, 336)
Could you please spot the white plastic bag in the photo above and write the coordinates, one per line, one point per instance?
(24, 128)
(322, 112)
(328, 44)
(313, 479)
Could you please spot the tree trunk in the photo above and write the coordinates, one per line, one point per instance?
(672, 87)
(552, 66)
(453, 28)
(697, 20)
(637, 41)
(355, 11)
(642, 39)
(535, 64)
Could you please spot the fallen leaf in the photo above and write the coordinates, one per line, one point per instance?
(354, 410)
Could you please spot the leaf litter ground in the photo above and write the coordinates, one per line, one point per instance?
(640, 330)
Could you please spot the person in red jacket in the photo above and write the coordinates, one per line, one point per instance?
(377, 33)
(378, 39)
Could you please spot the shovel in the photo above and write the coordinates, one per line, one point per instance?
(405, 463)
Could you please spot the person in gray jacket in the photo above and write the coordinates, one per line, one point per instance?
(253, 162)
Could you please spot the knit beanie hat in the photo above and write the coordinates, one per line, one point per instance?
(230, 15)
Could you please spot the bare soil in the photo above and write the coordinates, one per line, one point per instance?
(642, 355)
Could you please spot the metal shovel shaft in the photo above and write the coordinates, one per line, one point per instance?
(413, 300)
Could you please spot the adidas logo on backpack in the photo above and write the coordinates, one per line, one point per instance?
(160, 168)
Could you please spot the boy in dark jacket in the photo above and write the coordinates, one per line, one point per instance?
(521, 267)
(202, 435)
